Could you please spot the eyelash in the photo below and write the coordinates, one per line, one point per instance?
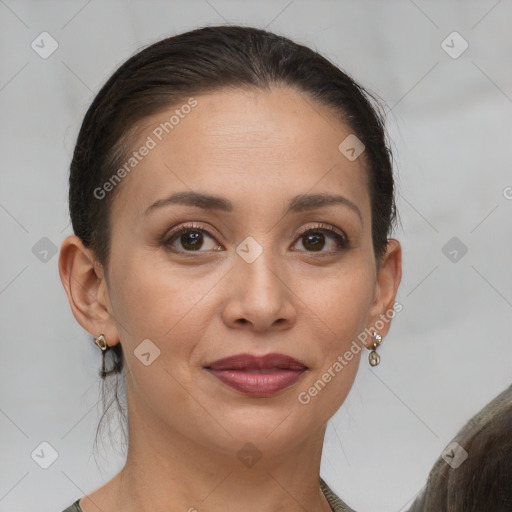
(341, 240)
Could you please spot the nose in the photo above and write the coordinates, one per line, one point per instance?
(259, 295)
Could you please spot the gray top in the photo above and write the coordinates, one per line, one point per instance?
(334, 501)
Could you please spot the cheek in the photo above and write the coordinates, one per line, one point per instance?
(341, 307)
(156, 301)
(342, 304)
(153, 298)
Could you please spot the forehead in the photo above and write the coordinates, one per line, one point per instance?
(256, 144)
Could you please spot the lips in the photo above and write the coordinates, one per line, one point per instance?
(258, 376)
(258, 364)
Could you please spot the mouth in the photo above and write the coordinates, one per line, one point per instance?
(258, 375)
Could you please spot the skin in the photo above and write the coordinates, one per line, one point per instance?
(259, 150)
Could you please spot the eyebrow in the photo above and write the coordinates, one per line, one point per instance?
(208, 202)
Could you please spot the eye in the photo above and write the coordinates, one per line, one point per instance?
(191, 238)
(313, 239)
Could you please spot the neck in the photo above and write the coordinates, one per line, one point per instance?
(166, 469)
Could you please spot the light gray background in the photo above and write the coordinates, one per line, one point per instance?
(449, 351)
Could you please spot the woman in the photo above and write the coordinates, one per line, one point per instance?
(231, 195)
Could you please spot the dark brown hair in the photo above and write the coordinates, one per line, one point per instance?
(201, 61)
(483, 481)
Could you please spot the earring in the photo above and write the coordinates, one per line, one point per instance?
(101, 342)
(373, 357)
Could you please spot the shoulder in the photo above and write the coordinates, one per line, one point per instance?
(335, 502)
(75, 507)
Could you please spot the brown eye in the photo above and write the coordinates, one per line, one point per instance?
(190, 238)
(315, 239)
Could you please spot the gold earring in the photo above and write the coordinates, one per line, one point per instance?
(102, 343)
(373, 357)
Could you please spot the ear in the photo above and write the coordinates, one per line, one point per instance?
(85, 283)
(389, 274)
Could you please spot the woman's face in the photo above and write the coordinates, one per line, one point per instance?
(243, 279)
